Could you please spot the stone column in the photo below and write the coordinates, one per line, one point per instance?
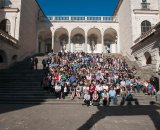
(102, 41)
(53, 41)
(69, 41)
(37, 43)
(85, 43)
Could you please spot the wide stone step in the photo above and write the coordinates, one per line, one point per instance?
(20, 80)
(21, 83)
(35, 88)
(17, 94)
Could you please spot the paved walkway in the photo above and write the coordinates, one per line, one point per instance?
(78, 117)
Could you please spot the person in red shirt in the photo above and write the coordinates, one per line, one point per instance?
(92, 88)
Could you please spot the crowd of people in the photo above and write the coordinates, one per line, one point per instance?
(95, 78)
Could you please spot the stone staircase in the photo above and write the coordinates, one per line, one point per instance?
(20, 84)
(142, 73)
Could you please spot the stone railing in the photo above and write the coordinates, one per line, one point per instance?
(11, 40)
(82, 18)
(143, 36)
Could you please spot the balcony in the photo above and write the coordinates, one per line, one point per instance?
(81, 18)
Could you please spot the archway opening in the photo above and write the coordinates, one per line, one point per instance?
(94, 40)
(5, 25)
(110, 41)
(77, 40)
(14, 58)
(3, 57)
(61, 40)
(45, 40)
(148, 58)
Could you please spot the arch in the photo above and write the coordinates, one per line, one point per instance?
(77, 39)
(14, 58)
(77, 30)
(44, 40)
(148, 58)
(3, 57)
(61, 39)
(5, 25)
(110, 39)
(145, 26)
(95, 32)
(94, 37)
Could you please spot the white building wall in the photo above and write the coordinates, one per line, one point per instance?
(125, 27)
(13, 15)
(138, 16)
(86, 26)
(28, 28)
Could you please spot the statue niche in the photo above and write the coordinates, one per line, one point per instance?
(92, 41)
(63, 41)
(78, 39)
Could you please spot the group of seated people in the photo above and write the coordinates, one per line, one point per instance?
(95, 78)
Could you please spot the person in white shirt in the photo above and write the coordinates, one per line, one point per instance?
(105, 97)
(105, 86)
(87, 98)
(58, 90)
(123, 83)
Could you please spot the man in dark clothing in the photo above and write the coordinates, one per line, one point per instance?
(36, 62)
(44, 64)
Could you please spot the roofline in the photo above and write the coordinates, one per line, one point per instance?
(40, 8)
(117, 7)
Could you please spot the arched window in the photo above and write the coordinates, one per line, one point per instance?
(148, 58)
(5, 25)
(14, 58)
(145, 26)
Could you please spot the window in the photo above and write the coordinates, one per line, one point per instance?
(5, 25)
(6, 3)
(145, 26)
(145, 5)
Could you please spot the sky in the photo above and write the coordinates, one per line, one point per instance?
(78, 7)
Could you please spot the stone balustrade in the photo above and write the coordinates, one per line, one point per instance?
(82, 18)
(11, 40)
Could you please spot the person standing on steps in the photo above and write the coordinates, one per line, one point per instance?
(44, 64)
(36, 62)
(32, 63)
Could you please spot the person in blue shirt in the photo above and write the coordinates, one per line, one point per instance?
(112, 95)
(72, 79)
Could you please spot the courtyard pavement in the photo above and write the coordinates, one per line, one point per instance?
(78, 117)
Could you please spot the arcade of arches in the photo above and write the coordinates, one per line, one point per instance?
(77, 40)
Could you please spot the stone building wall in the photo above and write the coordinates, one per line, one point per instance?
(139, 15)
(131, 15)
(151, 45)
(125, 27)
(11, 54)
(28, 28)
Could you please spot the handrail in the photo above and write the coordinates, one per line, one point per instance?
(9, 38)
(143, 36)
